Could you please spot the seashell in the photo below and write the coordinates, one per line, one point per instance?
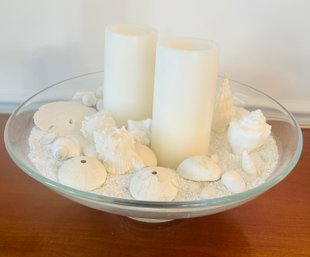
(99, 92)
(82, 172)
(247, 164)
(248, 133)
(90, 150)
(141, 130)
(154, 184)
(233, 181)
(99, 104)
(147, 155)
(88, 98)
(65, 147)
(62, 118)
(97, 122)
(116, 147)
(199, 168)
(223, 108)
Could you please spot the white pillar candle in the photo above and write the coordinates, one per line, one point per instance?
(129, 61)
(184, 92)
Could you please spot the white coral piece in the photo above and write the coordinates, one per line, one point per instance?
(154, 184)
(97, 122)
(247, 164)
(248, 133)
(65, 147)
(116, 147)
(223, 108)
(141, 130)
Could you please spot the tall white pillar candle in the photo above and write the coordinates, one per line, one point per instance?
(129, 60)
(184, 92)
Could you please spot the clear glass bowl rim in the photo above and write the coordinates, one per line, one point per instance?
(243, 196)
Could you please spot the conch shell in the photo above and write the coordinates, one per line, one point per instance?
(199, 168)
(65, 147)
(116, 148)
(141, 130)
(248, 133)
(223, 108)
(61, 118)
(97, 122)
(247, 164)
(154, 184)
(88, 98)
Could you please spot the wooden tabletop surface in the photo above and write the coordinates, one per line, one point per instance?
(35, 221)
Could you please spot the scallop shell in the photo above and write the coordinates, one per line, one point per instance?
(141, 130)
(88, 98)
(199, 168)
(233, 181)
(247, 164)
(116, 147)
(65, 147)
(62, 118)
(96, 122)
(223, 108)
(154, 184)
(248, 133)
(147, 155)
(83, 173)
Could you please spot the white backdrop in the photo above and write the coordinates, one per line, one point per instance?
(264, 43)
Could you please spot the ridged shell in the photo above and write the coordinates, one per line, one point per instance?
(248, 133)
(116, 147)
(141, 130)
(62, 118)
(248, 165)
(95, 123)
(83, 173)
(199, 168)
(233, 181)
(65, 147)
(223, 108)
(154, 184)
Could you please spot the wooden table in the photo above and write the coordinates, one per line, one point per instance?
(35, 221)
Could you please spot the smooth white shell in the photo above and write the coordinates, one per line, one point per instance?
(147, 155)
(248, 165)
(97, 122)
(199, 168)
(233, 181)
(83, 173)
(61, 118)
(65, 147)
(141, 130)
(248, 133)
(88, 98)
(116, 147)
(223, 108)
(154, 184)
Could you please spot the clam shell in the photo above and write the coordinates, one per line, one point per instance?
(147, 155)
(223, 108)
(199, 168)
(65, 147)
(62, 118)
(154, 184)
(141, 130)
(248, 165)
(116, 147)
(233, 181)
(97, 122)
(249, 132)
(82, 172)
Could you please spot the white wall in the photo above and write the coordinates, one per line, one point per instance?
(264, 43)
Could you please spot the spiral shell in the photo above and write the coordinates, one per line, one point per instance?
(154, 184)
(116, 147)
(223, 108)
(249, 132)
(141, 130)
(65, 147)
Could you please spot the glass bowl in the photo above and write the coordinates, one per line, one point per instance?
(285, 130)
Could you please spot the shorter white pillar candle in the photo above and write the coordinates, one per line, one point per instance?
(184, 91)
(129, 61)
